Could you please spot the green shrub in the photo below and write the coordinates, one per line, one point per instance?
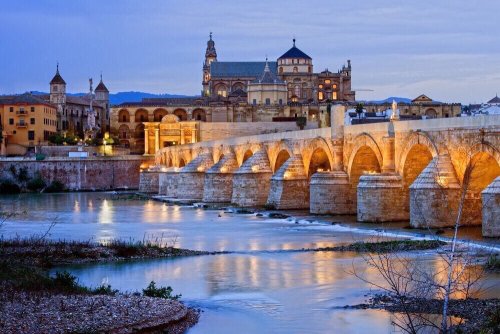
(36, 184)
(104, 290)
(55, 187)
(301, 122)
(161, 292)
(65, 281)
(9, 187)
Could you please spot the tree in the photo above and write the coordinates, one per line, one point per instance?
(359, 109)
(411, 284)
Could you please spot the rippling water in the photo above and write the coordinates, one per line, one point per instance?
(263, 288)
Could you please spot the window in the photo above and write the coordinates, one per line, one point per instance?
(31, 135)
(334, 95)
(320, 96)
(11, 121)
(327, 81)
(281, 101)
(297, 90)
(32, 109)
(320, 86)
(32, 121)
(254, 102)
(11, 109)
(268, 101)
(55, 88)
(295, 69)
(281, 69)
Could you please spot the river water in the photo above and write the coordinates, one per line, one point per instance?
(263, 287)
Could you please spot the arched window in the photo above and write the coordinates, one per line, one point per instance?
(320, 96)
(297, 90)
(295, 69)
(281, 69)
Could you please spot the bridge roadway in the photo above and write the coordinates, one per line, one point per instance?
(393, 171)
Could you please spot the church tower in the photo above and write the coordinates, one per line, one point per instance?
(210, 56)
(58, 89)
(102, 96)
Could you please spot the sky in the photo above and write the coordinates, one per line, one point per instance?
(446, 49)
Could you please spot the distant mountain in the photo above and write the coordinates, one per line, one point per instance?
(121, 97)
(390, 99)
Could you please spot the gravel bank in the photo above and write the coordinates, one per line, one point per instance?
(30, 313)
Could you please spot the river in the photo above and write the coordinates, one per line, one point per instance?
(263, 287)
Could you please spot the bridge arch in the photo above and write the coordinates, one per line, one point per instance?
(365, 146)
(278, 154)
(244, 152)
(421, 140)
(484, 166)
(319, 150)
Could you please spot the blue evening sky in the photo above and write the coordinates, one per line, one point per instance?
(447, 49)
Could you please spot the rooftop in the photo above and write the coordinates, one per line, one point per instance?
(241, 69)
(294, 52)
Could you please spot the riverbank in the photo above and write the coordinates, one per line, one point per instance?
(32, 301)
(40, 252)
(472, 315)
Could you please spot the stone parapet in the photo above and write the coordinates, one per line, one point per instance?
(289, 186)
(218, 186)
(381, 198)
(491, 209)
(330, 194)
(434, 195)
(251, 182)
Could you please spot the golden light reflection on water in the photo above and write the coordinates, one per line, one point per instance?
(76, 206)
(106, 212)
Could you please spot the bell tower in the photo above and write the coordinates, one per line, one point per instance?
(58, 89)
(210, 56)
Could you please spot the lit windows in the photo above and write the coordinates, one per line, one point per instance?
(334, 95)
(328, 81)
(320, 96)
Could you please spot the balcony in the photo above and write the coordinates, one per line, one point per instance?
(21, 112)
(22, 125)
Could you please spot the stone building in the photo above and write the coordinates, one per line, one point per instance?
(25, 122)
(72, 111)
(419, 106)
(240, 92)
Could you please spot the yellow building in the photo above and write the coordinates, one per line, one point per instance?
(26, 121)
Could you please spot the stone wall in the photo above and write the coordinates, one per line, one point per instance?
(149, 182)
(381, 198)
(330, 194)
(82, 174)
(491, 209)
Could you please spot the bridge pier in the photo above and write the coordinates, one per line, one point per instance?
(149, 181)
(251, 183)
(191, 178)
(289, 186)
(491, 209)
(381, 198)
(218, 186)
(330, 194)
(168, 182)
(434, 195)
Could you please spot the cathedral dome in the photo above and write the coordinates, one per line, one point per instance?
(294, 52)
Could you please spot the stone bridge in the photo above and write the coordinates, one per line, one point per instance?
(393, 171)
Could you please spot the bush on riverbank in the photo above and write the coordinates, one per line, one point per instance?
(161, 292)
(8, 187)
(37, 183)
(55, 187)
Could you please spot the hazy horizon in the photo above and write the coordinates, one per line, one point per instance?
(447, 50)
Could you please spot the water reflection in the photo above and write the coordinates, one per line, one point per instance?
(252, 291)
